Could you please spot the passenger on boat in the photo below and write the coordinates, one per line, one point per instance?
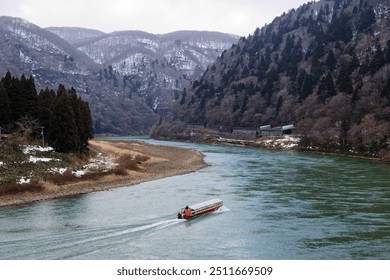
(187, 212)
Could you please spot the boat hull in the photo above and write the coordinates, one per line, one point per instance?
(200, 214)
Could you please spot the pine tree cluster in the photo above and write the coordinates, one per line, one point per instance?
(63, 117)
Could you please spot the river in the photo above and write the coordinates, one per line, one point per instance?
(277, 205)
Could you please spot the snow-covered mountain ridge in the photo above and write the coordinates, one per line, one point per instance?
(156, 67)
(129, 78)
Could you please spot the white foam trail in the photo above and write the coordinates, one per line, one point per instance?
(223, 209)
(162, 224)
(156, 225)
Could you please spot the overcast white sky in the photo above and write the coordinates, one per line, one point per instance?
(239, 17)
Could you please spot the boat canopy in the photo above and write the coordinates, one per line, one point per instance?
(205, 204)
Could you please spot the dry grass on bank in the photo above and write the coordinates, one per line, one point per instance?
(130, 163)
(34, 186)
(125, 163)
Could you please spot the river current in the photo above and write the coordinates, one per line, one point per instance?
(277, 205)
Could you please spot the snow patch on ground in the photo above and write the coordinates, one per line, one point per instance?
(58, 170)
(32, 148)
(285, 142)
(98, 164)
(79, 173)
(23, 180)
(36, 159)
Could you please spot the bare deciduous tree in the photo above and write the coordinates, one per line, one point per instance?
(27, 126)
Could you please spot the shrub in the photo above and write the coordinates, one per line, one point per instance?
(141, 158)
(13, 188)
(62, 179)
(127, 162)
(119, 171)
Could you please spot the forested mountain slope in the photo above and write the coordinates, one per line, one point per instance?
(156, 67)
(129, 78)
(30, 50)
(325, 67)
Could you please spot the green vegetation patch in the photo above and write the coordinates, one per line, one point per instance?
(19, 164)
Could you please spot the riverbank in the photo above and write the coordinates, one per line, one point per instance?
(160, 162)
(278, 143)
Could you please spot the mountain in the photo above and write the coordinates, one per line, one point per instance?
(325, 67)
(128, 88)
(156, 67)
(75, 35)
(29, 48)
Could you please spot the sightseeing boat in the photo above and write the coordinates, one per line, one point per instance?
(196, 210)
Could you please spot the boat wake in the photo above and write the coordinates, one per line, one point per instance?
(222, 209)
(151, 227)
(154, 226)
(89, 242)
(84, 243)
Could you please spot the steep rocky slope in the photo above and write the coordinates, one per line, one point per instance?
(324, 66)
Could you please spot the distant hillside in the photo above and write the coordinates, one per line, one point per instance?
(27, 47)
(75, 35)
(30, 50)
(155, 67)
(128, 78)
(324, 67)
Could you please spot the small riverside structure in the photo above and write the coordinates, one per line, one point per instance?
(267, 130)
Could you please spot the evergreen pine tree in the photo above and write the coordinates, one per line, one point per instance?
(63, 132)
(5, 109)
(344, 135)
(387, 52)
(183, 98)
(82, 119)
(354, 63)
(307, 88)
(366, 19)
(337, 4)
(28, 96)
(340, 28)
(44, 105)
(22, 96)
(279, 104)
(262, 68)
(331, 61)
(386, 90)
(7, 80)
(316, 70)
(377, 61)
(365, 67)
(88, 124)
(11, 86)
(344, 81)
(326, 88)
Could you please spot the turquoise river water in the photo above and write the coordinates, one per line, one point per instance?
(277, 205)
